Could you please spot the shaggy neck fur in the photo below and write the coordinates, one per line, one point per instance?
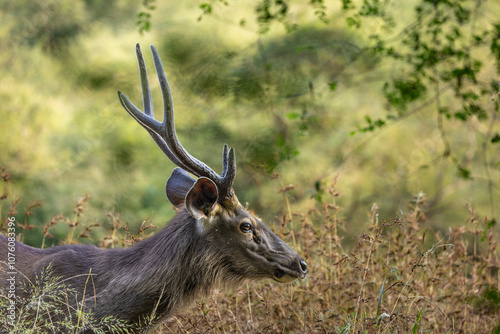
(161, 274)
(139, 285)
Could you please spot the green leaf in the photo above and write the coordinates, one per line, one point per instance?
(402, 91)
(347, 4)
(445, 111)
(496, 138)
(206, 8)
(419, 316)
(351, 22)
(491, 223)
(461, 115)
(464, 173)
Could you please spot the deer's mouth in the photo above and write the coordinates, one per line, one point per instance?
(282, 277)
(286, 275)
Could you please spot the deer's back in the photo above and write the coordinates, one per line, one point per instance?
(70, 263)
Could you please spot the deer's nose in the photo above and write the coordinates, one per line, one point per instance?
(303, 266)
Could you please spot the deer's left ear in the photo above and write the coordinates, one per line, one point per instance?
(201, 198)
(178, 185)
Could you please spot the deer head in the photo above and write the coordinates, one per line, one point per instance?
(256, 252)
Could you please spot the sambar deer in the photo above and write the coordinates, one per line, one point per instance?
(212, 240)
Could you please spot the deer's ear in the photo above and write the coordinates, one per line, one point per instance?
(201, 198)
(178, 185)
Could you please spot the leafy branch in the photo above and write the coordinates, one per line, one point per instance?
(443, 48)
(143, 21)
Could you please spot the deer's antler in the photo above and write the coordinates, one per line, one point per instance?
(163, 133)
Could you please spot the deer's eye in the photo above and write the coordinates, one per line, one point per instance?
(245, 227)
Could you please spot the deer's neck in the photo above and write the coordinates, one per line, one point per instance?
(162, 273)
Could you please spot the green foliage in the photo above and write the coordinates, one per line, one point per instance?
(143, 21)
(206, 8)
(268, 11)
(371, 125)
(495, 139)
(495, 45)
(400, 92)
(442, 50)
(280, 72)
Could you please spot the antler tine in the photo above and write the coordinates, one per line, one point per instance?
(228, 172)
(228, 164)
(168, 127)
(225, 158)
(147, 119)
(147, 102)
(128, 106)
(141, 118)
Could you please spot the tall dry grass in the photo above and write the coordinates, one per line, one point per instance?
(400, 275)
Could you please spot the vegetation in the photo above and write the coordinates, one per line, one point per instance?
(44, 310)
(405, 93)
(387, 103)
(399, 277)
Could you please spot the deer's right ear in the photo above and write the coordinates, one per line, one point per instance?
(178, 185)
(201, 198)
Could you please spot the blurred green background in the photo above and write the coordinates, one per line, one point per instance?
(299, 95)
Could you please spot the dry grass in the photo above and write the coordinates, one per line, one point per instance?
(400, 276)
